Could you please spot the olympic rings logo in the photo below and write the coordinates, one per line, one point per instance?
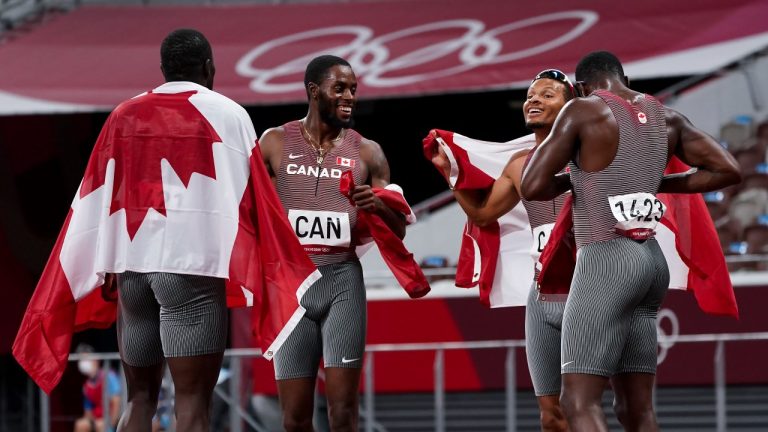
(666, 340)
(375, 63)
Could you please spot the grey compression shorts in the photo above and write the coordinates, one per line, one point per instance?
(609, 323)
(543, 325)
(333, 326)
(169, 315)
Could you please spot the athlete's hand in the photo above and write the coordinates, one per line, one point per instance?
(365, 199)
(109, 289)
(441, 162)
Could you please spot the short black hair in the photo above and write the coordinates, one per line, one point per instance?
(318, 67)
(182, 53)
(598, 64)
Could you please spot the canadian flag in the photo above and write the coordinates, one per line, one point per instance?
(152, 202)
(495, 257)
(345, 162)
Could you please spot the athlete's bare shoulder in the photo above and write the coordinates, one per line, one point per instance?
(271, 146)
(375, 161)
(272, 141)
(368, 145)
(274, 134)
(583, 111)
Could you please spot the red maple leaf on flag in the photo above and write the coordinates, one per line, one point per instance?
(138, 135)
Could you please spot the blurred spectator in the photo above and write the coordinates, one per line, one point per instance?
(749, 159)
(756, 237)
(93, 392)
(737, 133)
(748, 205)
(717, 204)
(436, 262)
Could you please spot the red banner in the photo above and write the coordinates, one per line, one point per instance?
(95, 57)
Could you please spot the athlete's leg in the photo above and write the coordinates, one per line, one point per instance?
(193, 328)
(633, 404)
(582, 402)
(143, 385)
(297, 397)
(610, 280)
(194, 379)
(551, 414)
(297, 361)
(341, 390)
(634, 382)
(344, 346)
(138, 335)
(543, 324)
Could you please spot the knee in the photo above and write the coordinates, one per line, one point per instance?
(143, 399)
(296, 424)
(568, 404)
(632, 417)
(342, 415)
(575, 405)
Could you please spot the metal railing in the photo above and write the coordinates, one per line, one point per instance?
(238, 415)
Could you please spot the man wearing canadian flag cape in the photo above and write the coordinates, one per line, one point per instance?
(175, 202)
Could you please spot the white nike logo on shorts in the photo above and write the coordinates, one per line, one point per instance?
(566, 364)
(346, 360)
(293, 156)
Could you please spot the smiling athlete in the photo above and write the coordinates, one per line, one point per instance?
(305, 159)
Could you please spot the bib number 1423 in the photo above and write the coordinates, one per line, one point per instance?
(637, 213)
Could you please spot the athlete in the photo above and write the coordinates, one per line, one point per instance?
(617, 143)
(305, 159)
(547, 94)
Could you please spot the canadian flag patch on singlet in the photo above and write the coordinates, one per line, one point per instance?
(345, 162)
(637, 214)
(642, 118)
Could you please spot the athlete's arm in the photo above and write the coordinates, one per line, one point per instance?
(715, 167)
(271, 147)
(484, 206)
(378, 172)
(541, 181)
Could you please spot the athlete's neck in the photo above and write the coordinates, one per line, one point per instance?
(320, 130)
(541, 134)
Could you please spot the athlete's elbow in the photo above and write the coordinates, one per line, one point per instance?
(481, 221)
(733, 175)
(532, 189)
(727, 176)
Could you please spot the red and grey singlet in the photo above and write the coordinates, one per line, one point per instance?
(542, 216)
(619, 200)
(322, 218)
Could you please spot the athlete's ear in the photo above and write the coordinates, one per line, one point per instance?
(314, 89)
(579, 87)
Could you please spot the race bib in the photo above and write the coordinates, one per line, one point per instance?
(637, 214)
(321, 228)
(540, 238)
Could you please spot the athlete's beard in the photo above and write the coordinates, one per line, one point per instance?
(327, 110)
(535, 125)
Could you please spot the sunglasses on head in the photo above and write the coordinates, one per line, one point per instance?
(556, 75)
